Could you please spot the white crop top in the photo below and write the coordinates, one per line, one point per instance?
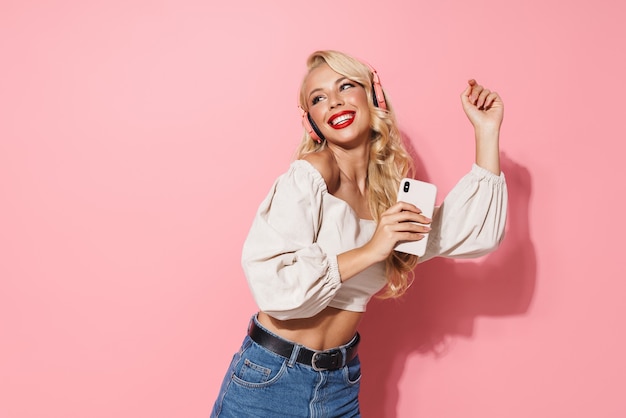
(290, 254)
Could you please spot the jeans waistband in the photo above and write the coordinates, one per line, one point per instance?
(319, 360)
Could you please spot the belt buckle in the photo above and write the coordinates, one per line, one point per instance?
(335, 360)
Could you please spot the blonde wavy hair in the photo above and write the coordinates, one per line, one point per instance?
(389, 160)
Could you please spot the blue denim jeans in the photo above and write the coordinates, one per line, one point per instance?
(260, 383)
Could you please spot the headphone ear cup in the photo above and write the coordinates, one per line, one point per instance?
(311, 128)
(374, 96)
(378, 96)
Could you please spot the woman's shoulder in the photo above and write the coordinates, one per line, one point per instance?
(324, 162)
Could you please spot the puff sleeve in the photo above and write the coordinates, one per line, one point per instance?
(289, 274)
(471, 220)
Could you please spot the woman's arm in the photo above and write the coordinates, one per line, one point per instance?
(485, 110)
(472, 218)
(289, 274)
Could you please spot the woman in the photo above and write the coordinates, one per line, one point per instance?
(322, 242)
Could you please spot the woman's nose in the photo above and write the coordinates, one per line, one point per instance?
(335, 100)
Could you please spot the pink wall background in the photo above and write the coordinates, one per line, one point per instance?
(138, 137)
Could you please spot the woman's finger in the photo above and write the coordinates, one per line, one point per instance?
(406, 221)
(480, 103)
(490, 99)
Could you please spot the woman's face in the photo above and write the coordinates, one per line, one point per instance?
(338, 106)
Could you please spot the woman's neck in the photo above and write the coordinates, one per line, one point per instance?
(353, 163)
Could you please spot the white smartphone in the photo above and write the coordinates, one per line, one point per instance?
(422, 195)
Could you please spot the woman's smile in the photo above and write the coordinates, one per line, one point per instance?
(342, 119)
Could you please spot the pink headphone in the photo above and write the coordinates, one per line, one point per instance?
(378, 99)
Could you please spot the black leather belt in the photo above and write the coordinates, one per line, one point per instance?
(319, 360)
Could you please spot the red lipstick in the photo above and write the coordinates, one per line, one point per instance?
(341, 120)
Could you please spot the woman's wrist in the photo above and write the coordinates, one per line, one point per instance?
(488, 148)
(488, 133)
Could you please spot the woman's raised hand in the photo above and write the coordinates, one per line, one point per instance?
(483, 107)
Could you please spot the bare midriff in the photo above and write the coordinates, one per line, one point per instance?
(330, 328)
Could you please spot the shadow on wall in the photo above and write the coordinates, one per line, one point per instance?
(445, 300)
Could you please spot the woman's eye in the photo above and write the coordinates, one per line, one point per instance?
(346, 86)
(316, 100)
